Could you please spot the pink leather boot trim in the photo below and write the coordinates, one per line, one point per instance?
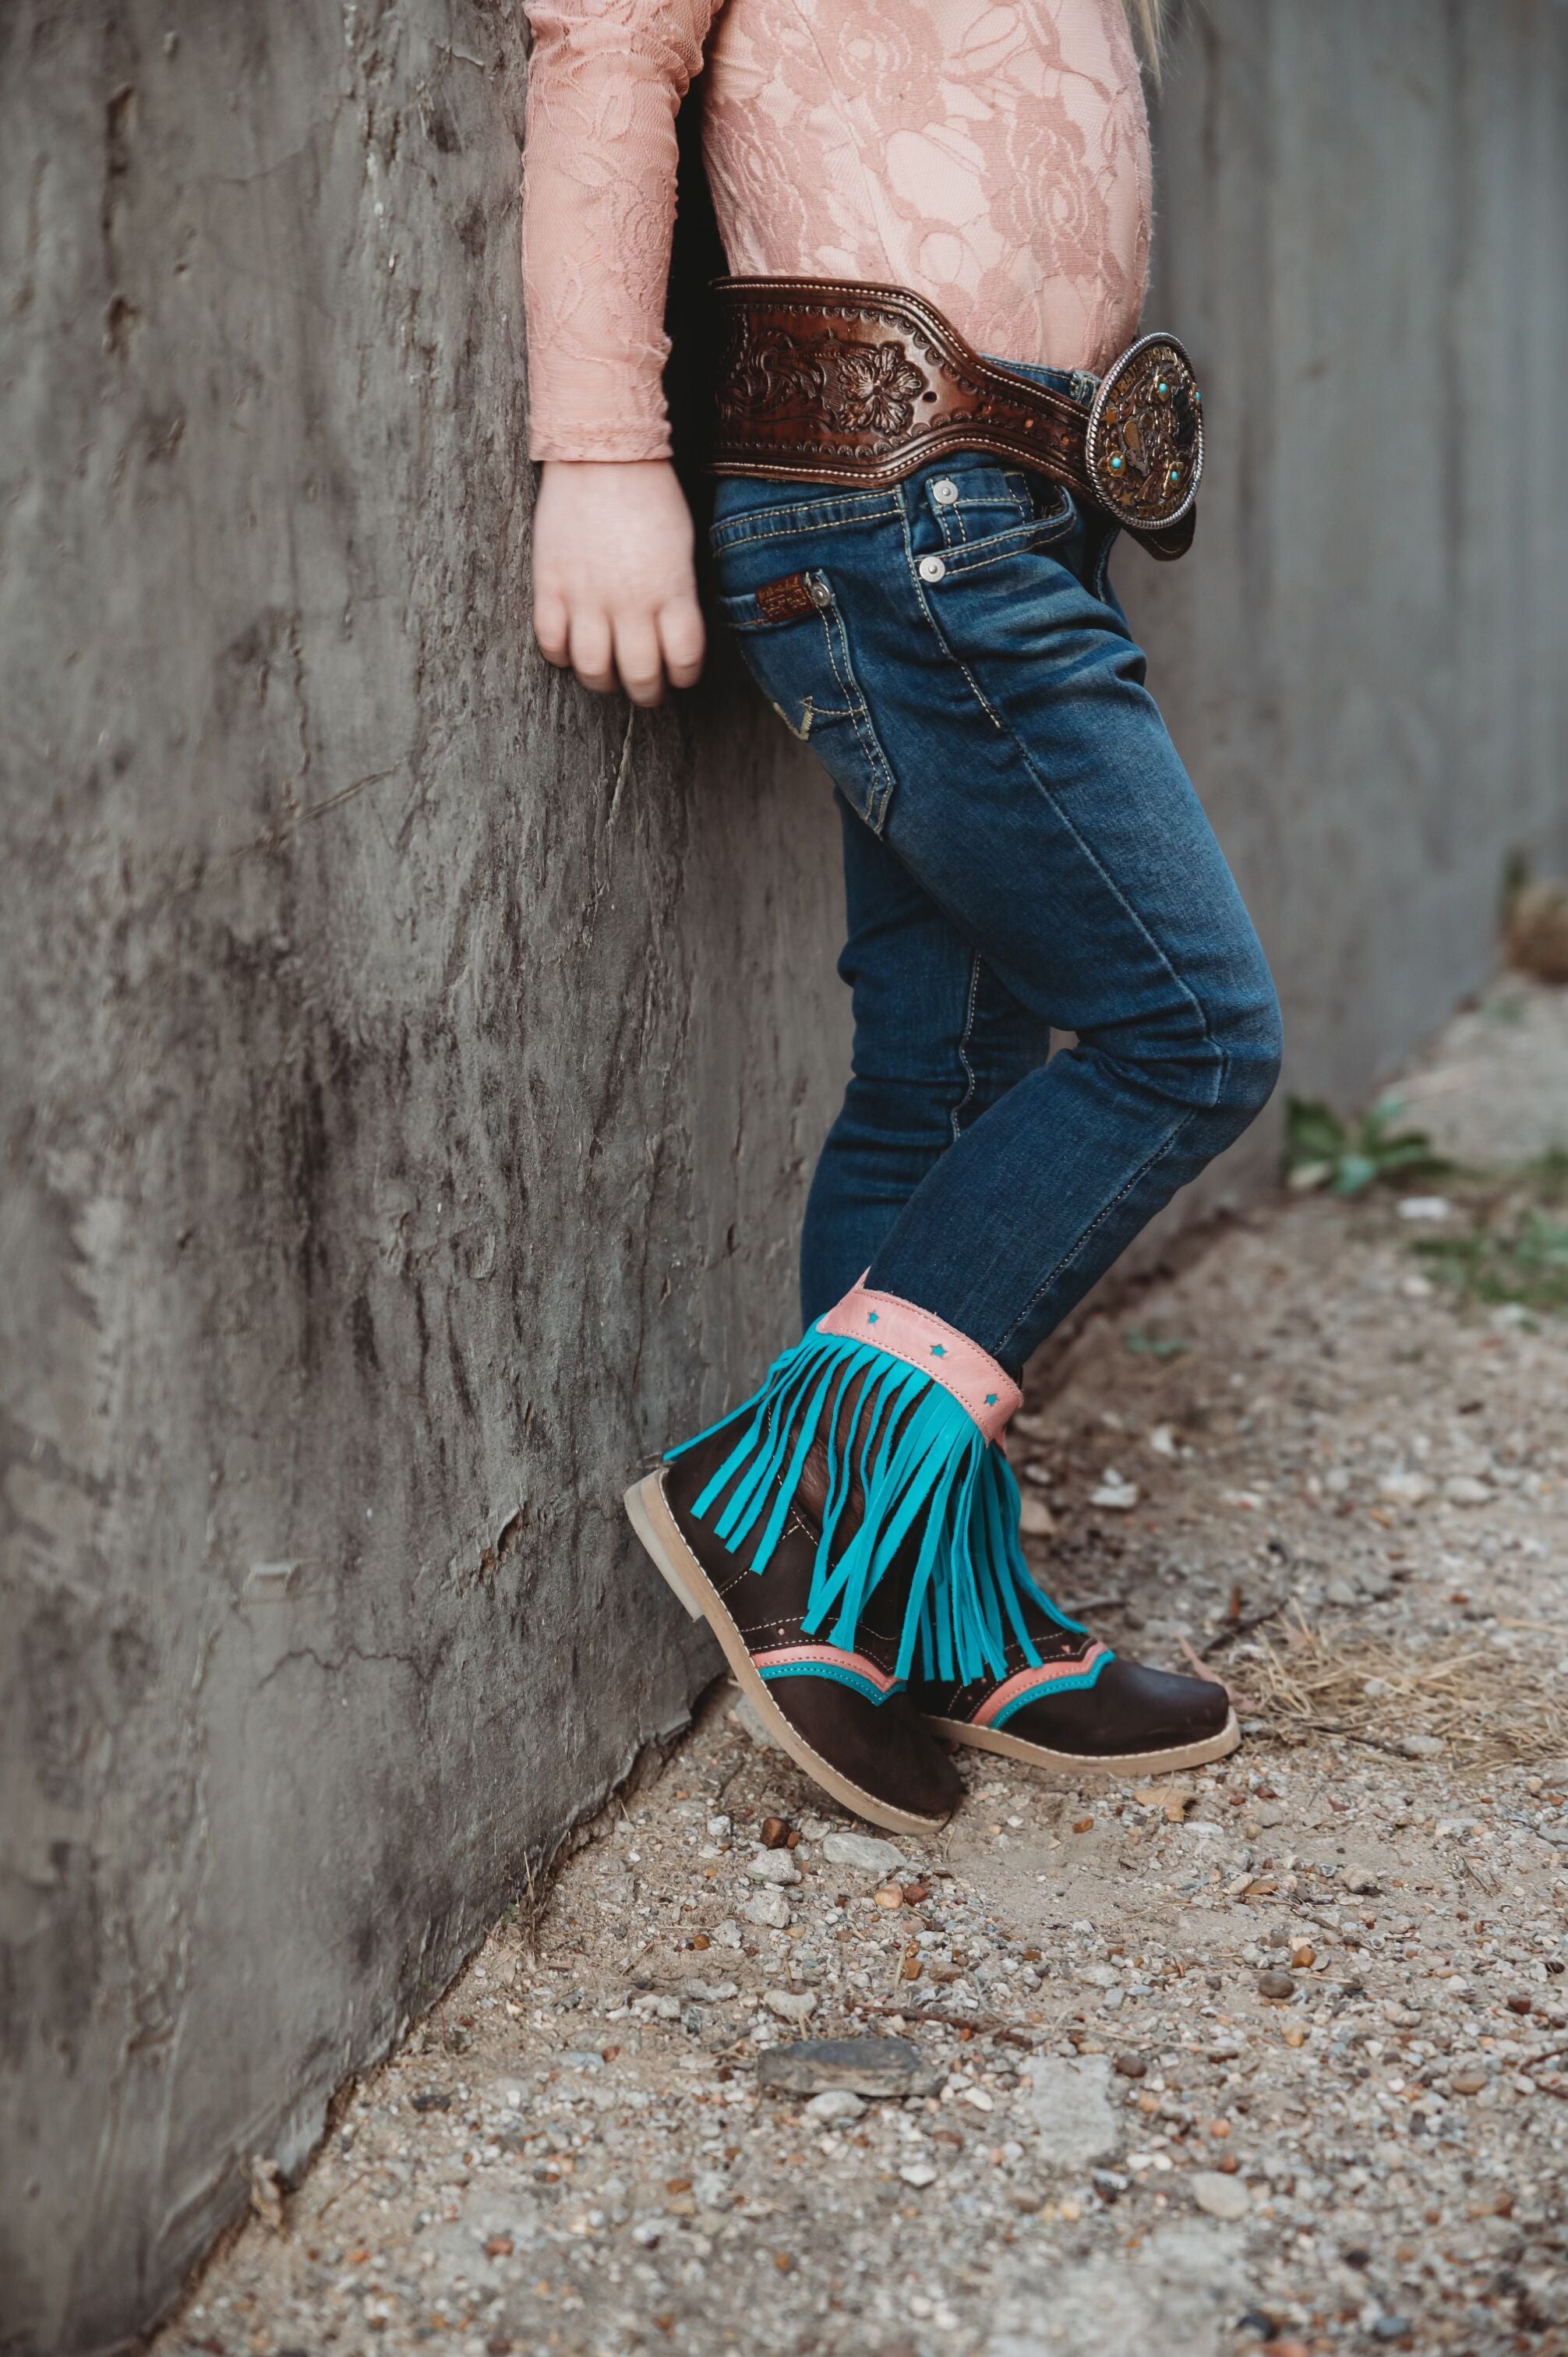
(961, 1366)
(1036, 1682)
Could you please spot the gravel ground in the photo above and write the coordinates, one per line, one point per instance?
(1264, 2058)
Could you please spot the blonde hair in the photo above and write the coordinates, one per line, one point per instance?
(1144, 15)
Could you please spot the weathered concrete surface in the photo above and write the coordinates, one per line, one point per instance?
(401, 1055)
(1363, 236)
(410, 1069)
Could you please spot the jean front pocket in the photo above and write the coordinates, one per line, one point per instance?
(983, 515)
(791, 634)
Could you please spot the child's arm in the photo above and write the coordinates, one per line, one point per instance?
(614, 587)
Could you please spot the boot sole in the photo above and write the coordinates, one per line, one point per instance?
(1167, 1761)
(651, 1518)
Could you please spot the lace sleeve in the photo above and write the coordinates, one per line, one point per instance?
(604, 80)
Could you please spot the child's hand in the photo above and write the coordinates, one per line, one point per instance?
(615, 594)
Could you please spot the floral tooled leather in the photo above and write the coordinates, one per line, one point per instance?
(851, 384)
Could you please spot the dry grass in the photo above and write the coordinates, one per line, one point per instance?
(1491, 1707)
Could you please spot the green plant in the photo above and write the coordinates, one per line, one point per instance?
(1348, 1158)
(1523, 1259)
(1153, 1346)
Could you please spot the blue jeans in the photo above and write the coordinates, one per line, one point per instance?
(1023, 851)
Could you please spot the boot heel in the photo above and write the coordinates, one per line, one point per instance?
(642, 1521)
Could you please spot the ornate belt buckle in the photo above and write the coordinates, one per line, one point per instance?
(1145, 440)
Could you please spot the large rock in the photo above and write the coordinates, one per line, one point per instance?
(1070, 2105)
(867, 1853)
(864, 2066)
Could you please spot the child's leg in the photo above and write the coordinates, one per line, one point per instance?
(937, 1041)
(1041, 808)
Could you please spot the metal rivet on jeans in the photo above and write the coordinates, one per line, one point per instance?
(931, 568)
(945, 490)
(821, 594)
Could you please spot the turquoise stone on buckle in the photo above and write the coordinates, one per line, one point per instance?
(1143, 442)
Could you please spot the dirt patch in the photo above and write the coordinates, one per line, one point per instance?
(1264, 2059)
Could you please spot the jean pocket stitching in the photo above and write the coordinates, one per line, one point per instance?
(878, 780)
(1039, 532)
(866, 507)
(1022, 547)
(860, 713)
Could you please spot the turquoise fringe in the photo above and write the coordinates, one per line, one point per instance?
(928, 1463)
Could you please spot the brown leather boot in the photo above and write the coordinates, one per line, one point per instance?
(845, 1515)
(1081, 1707)
(853, 1526)
(840, 1713)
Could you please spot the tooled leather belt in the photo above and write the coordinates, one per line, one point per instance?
(829, 381)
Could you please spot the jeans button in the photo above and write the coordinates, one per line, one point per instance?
(931, 568)
(944, 492)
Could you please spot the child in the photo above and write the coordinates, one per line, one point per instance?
(936, 416)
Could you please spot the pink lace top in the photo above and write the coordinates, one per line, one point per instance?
(992, 154)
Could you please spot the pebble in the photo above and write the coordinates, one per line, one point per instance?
(867, 1852)
(774, 1866)
(1131, 2066)
(1421, 1747)
(1118, 1497)
(1467, 2082)
(771, 1909)
(1361, 1879)
(836, 2104)
(1070, 2105)
(865, 2066)
(918, 2173)
(1036, 1519)
(743, 1716)
(1173, 1800)
(1219, 2196)
(1463, 1490)
(1275, 1984)
(791, 2005)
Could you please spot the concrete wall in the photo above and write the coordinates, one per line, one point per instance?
(1363, 236)
(403, 1052)
(411, 1066)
